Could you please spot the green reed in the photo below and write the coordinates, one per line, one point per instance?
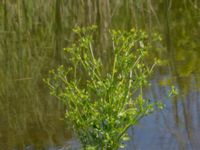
(26, 49)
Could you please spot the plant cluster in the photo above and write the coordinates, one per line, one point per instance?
(102, 106)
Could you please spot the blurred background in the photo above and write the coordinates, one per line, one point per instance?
(33, 34)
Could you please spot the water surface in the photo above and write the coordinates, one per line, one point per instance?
(33, 34)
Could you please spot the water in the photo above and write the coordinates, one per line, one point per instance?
(176, 127)
(32, 35)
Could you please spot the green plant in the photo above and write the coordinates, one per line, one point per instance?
(101, 106)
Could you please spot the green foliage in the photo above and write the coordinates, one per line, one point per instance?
(173, 91)
(102, 106)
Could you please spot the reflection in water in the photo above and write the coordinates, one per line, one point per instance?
(31, 43)
(177, 126)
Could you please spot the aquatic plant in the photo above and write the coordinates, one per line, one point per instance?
(102, 105)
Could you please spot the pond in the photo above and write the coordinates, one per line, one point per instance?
(32, 37)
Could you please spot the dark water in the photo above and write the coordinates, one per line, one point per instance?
(32, 36)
